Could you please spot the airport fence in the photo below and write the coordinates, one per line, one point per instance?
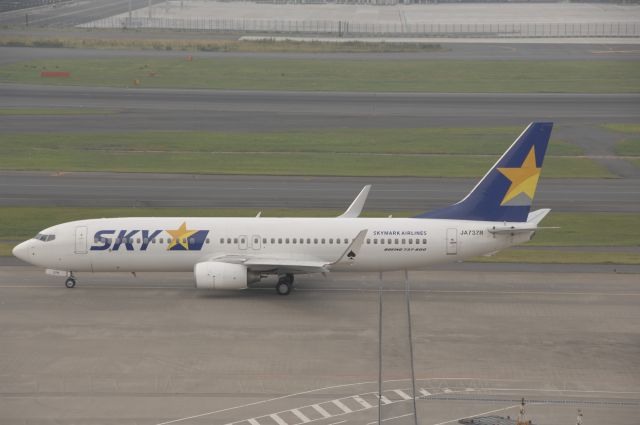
(346, 28)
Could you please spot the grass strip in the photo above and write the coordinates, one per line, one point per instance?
(474, 141)
(213, 45)
(577, 229)
(430, 152)
(308, 164)
(623, 128)
(560, 257)
(338, 75)
(630, 145)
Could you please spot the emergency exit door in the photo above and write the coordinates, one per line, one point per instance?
(452, 241)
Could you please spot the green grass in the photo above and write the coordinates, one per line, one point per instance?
(386, 152)
(589, 229)
(170, 42)
(490, 140)
(339, 75)
(623, 128)
(55, 111)
(628, 147)
(560, 257)
(315, 164)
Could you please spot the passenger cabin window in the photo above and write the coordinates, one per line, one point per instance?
(273, 240)
(264, 241)
(424, 241)
(221, 241)
(368, 241)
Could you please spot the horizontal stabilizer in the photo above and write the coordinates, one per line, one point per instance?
(356, 206)
(538, 215)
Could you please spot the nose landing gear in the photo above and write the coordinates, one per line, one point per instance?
(285, 284)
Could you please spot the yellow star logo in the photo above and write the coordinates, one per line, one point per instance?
(523, 179)
(180, 237)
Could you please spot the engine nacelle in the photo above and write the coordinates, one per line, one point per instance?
(217, 275)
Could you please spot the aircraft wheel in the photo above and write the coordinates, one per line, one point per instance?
(283, 287)
(70, 283)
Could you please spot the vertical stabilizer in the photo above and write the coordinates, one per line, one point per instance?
(506, 192)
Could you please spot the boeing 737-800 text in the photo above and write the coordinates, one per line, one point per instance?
(233, 253)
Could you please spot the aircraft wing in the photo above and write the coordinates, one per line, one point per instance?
(288, 265)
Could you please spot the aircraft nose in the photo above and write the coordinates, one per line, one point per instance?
(20, 251)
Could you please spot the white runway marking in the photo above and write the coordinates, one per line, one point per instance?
(300, 416)
(402, 394)
(385, 400)
(342, 406)
(362, 402)
(278, 419)
(477, 414)
(321, 411)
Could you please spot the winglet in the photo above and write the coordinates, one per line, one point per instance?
(356, 206)
(352, 250)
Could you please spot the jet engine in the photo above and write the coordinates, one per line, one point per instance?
(217, 275)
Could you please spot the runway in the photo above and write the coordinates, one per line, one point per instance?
(213, 110)
(264, 192)
(153, 350)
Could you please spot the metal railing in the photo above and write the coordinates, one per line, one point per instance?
(346, 28)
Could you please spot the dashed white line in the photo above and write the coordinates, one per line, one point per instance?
(447, 390)
(362, 402)
(402, 394)
(424, 392)
(300, 416)
(320, 410)
(342, 406)
(277, 419)
(384, 400)
(253, 422)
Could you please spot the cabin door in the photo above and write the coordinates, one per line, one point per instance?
(452, 241)
(81, 240)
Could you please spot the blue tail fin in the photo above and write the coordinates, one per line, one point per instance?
(505, 193)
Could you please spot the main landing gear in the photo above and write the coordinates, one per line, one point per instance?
(285, 284)
(71, 281)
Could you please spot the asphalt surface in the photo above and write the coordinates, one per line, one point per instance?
(152, 349)
(68, 14)
(262, 192)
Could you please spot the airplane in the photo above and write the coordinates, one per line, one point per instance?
(235, 253)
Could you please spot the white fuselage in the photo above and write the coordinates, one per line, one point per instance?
(142, 244)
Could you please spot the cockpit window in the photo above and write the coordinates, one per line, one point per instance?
(44, 238)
